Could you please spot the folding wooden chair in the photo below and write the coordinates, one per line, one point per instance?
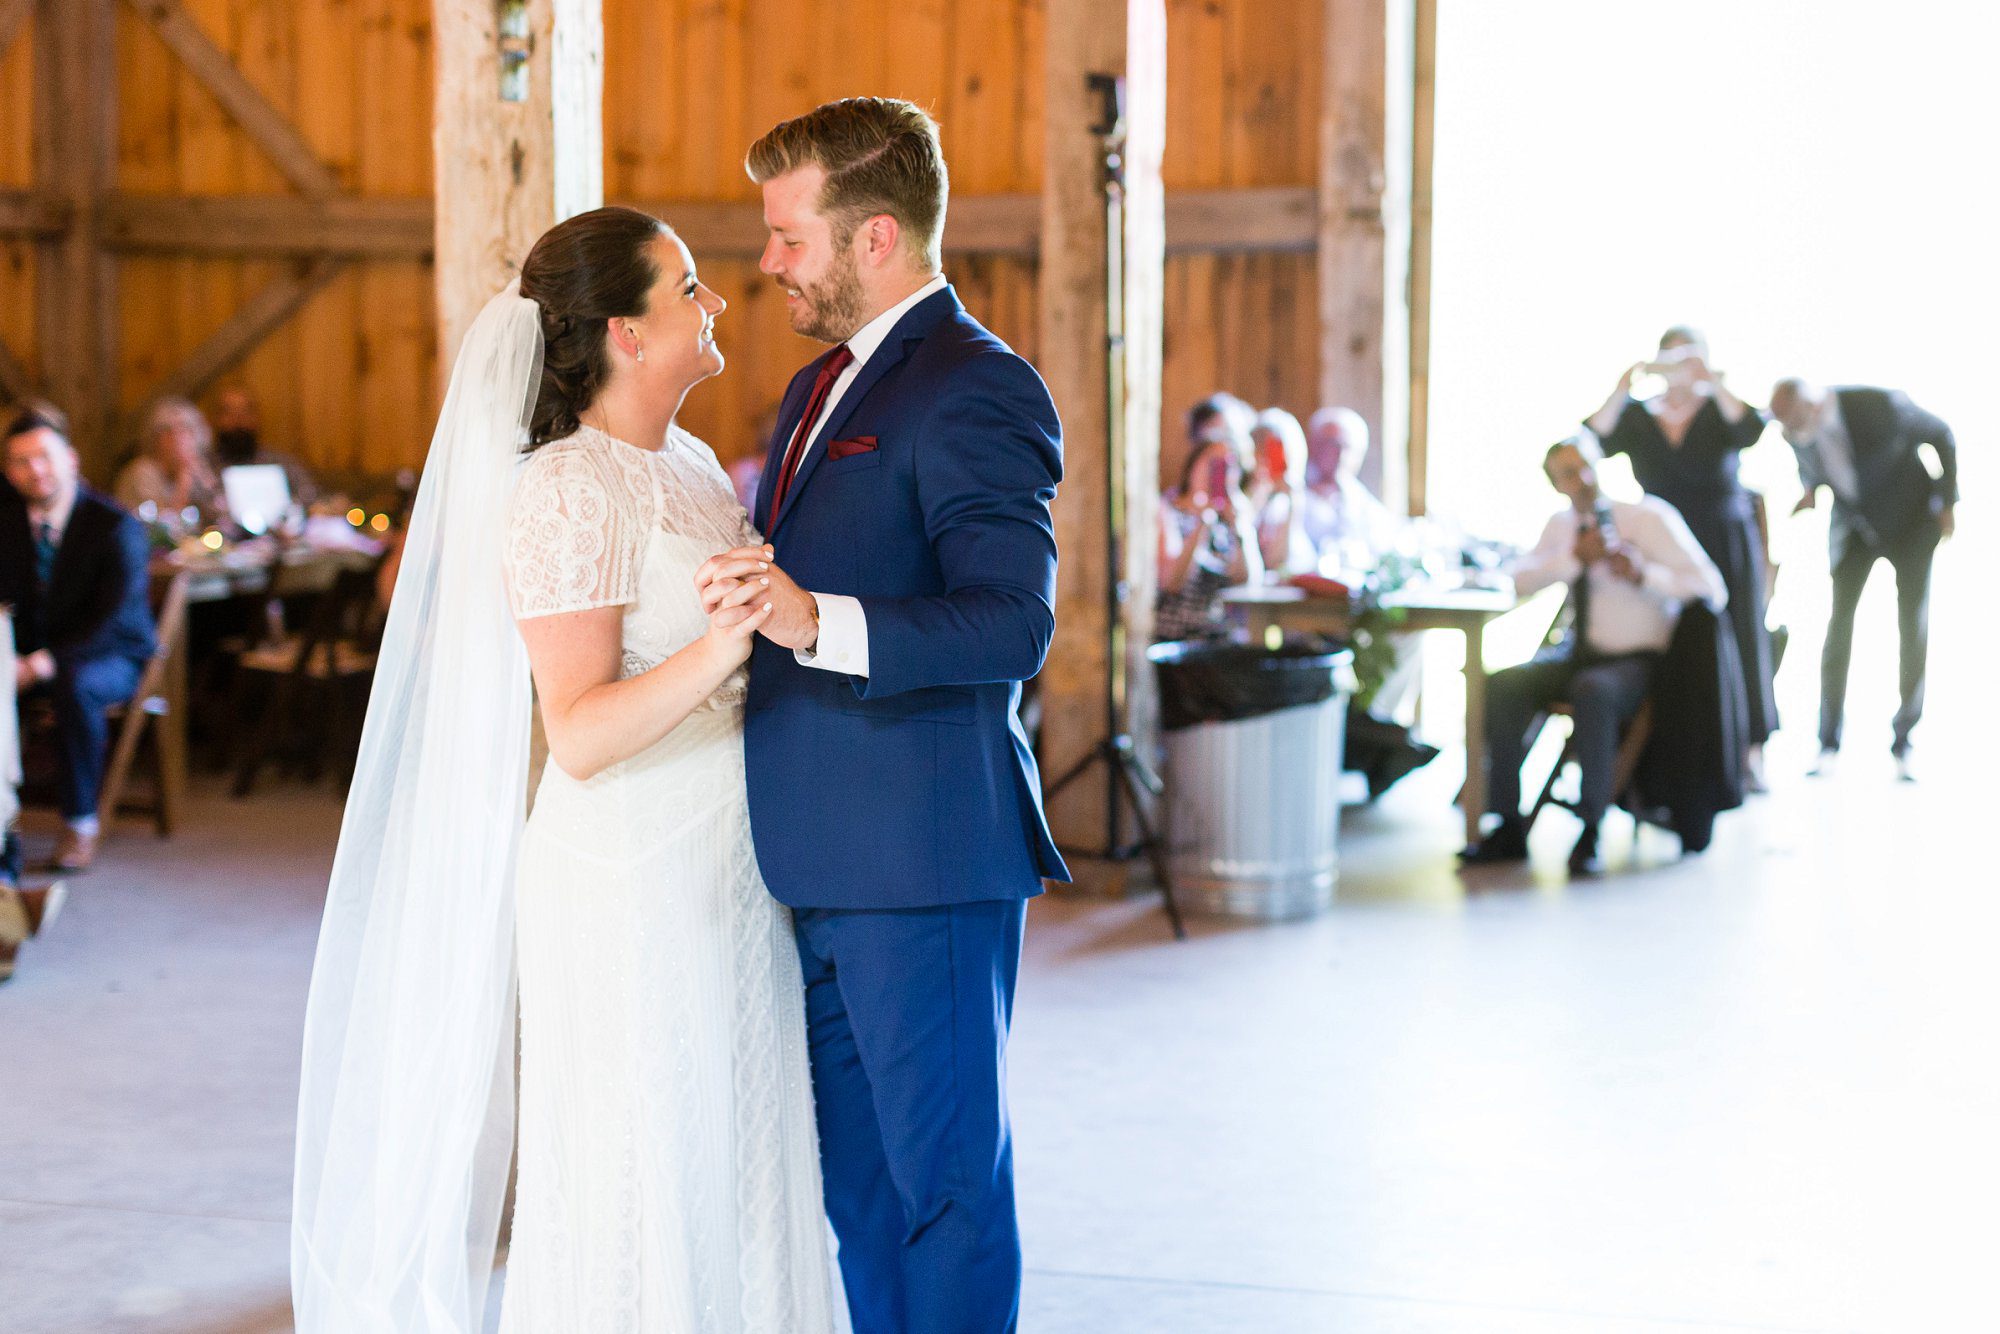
(159, 705)
(328, 662)
(1631, 745)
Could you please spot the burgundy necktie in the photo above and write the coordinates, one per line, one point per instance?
(822, 387)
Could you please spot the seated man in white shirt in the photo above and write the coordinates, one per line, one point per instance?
(1630, 567)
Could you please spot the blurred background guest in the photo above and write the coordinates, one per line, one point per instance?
(239, 440)
(1208, 536)
(1685, 445)
(1346, 523)
(1893, 470)
(74, 568)
(1277, 492)
(1629, 567)
(174, 472)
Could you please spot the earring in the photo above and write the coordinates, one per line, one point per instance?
(640, 354)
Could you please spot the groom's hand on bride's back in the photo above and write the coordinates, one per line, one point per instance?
(794, 619)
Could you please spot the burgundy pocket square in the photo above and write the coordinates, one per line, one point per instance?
(847, 449)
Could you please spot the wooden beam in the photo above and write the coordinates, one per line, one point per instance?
(264, 123)
(1228, 221)
(1352, 182)
(13, 13)
(76, 302)
(225, 349)
(31, 214)
(1422, 139)
(260, 226)
(1246, 220)
(1105, 523)
(15, 382)
(1239, 221)
(508, 171)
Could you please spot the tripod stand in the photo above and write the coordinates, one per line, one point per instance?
(1126, 771)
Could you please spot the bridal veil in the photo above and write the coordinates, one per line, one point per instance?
(406, 1099)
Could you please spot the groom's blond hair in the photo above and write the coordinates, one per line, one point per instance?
(880, 155)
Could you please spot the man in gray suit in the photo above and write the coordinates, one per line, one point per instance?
(1893, 470)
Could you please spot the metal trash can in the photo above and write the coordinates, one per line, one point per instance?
(1254, 738)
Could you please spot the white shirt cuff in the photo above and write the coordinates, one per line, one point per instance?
(843, 637)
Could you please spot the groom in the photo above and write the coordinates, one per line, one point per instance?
(894, 802)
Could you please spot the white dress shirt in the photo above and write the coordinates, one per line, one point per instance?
(1626, 617)
(56, 516)
(843, 626)
(1836, 449)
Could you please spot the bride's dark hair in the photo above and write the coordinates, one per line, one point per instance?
(594, 267)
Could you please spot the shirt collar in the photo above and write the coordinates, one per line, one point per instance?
(57, 514)
(870, 335)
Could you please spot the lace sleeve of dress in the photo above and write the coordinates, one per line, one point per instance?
(576, 539)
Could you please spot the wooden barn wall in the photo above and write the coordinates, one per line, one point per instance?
(17, 172)
(690, 83)
(1242, 110)
(351, 381)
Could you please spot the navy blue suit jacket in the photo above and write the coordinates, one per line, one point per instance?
(97, 601)
(913, 786)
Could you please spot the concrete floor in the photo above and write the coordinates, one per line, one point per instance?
(1754, 1090)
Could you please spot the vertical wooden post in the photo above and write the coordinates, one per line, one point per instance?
(1124, 38)
(76, 299)
(1423, 133)
(1364, 225)
(508, 171)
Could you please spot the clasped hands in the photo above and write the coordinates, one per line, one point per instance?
(739, 584)
(1624, 560)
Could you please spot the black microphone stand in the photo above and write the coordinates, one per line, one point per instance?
(1126, 771)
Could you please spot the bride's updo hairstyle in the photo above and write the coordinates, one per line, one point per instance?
(597, 266)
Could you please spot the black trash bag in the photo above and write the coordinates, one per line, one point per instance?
(1203, 681)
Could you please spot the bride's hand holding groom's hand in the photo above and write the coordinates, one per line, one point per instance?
(736, 614)
(793, 620)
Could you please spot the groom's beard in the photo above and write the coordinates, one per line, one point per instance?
(830, 310)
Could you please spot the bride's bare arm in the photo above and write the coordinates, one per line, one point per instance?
(595, 720)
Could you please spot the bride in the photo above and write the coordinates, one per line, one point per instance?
(668, 1171)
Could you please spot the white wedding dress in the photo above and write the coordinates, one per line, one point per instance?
(669, 1171)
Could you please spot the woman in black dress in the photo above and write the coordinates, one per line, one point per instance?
(1684, 446)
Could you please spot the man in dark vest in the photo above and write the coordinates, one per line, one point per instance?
(1893, 470)
(73, 567)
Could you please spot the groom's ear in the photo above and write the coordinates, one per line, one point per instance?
(881, 236)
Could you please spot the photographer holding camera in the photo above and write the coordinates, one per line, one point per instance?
(1685, 445)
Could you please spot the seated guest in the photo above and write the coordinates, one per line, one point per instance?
(1344, 521)
(173, 471)
(1207, 540)
(1629, 568)
(1219, 416)
(239, 440)
(73, 567)
(1277, 492)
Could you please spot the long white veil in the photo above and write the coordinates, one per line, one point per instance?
(406, 1098)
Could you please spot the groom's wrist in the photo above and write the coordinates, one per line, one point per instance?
(812, 604)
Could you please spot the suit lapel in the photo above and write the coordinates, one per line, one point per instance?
(910, 330)
(781, 435)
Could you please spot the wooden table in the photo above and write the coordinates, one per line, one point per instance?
(1467, 610)
(236, 572)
